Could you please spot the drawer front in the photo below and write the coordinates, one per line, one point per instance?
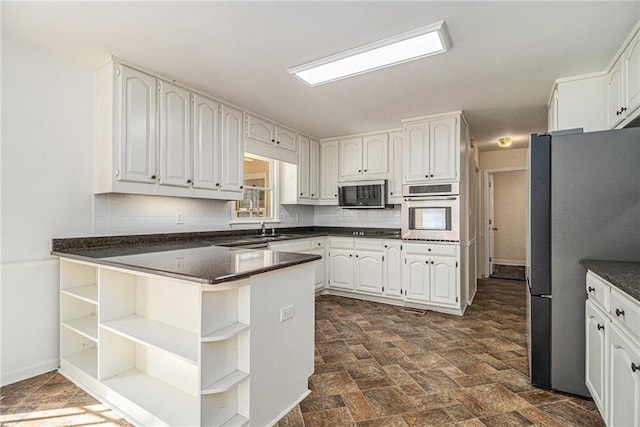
(626, 312)
(341, 243)
(598, 290)
(430, 249)
(317, 243)
(369, 244)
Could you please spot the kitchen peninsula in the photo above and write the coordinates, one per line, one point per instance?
(183, 333)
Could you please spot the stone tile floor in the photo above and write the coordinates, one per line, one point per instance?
(377, 365)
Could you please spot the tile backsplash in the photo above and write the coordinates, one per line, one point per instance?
(116, 214)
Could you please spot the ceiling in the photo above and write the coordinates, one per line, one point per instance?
(499, 71)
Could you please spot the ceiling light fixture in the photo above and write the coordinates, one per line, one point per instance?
(404, 47)
(505, 142)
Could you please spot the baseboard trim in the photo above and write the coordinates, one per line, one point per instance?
(290, 408)
(513, 262)
(29, 372)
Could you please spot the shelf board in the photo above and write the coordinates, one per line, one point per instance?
(85, 326)
(88, 293)
(85, 360)
(171, 405)
(236, 421)
(226, 383)
(181, 343)
(226, 333)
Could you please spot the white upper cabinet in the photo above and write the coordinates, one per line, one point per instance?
(206, 143)
(314, 170)
(329, 172)
(614, 95)
(394, 188)
(175, 135)
(432, 150)
(232, 167)
(364, 157)
(307, 190)
(265, 138)
(136, 105)
(578, 102)
(631, 58)
(303, 167)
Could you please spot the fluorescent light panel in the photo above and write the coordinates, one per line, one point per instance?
(394, 50)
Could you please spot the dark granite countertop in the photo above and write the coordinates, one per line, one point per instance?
(201, 264)
(204, 257)
(624, 275)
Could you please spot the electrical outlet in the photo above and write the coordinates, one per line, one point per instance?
(179, 218)
(287, 313)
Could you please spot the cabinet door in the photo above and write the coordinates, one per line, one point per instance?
(350, 158)
(206, 143)
(260, 130)
(329, 171)
(614, 95)
(175, 135)
(286, 139)
(232, 153)
(415, 166)
(443, 283)
(597, 328)
(368, 277)
(375, 155)
(624, 381)
(396, 140)
(137, 120)
(552, 119)
(341, 269)
(415, 277)
(392, 269)
(632, 75)
(314, 170)
(319, 281)
(443, 149)
(303, 168)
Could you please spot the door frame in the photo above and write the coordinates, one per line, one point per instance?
(485, 217)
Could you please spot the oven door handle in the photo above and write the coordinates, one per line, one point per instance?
(428, 199)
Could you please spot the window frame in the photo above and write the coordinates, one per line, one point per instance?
(274, 188)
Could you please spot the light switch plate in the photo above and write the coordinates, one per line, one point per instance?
(287, 313)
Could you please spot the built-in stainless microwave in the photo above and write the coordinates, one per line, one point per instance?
(431, 212)
(363, 194)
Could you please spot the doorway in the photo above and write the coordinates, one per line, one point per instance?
(505, 223)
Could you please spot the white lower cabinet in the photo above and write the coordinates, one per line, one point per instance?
(169, 352)
(392, 269)
(368, 266)
(431, 274)
(307, 246)
(341, 268)
(613, 352)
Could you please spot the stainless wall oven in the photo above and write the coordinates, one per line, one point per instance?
(431, 212)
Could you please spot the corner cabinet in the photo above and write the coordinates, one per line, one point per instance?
(165, 351)
(612, 322)
(157, 138)
(623, 86)
(432, 149)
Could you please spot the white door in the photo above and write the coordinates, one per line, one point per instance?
(206, 143)
(396, 140)
(175, 135)
(329, 171)
(597, 326)
(624, 380)
(303, 168)
(368, 266)
(614, 95)
(415, 277)
(350, 158)
(415, 166)
(260, 130)
(341, 270)
(137, 134)
(443, 283)
(442, 151)
(491, 224)
(314, 170)
(375, 155)
(632, 75)
(232, 153)
(392, 269)
(286, 139)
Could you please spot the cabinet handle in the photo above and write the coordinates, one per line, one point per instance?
(359, 170)
(153, 177)
(277, 142)
(273, 140)
(431, 262)
(301, 194)
(312, 195)
(590, 289)
(600, 327)
(619, 312)
(356, 256)
(634, 367)
(217, 184)
(391, 194)
(385, 246)
(618, 113)
(241, 187)
(426, 176)
(623, 109)
(335, 195)
(365, 170)
(429, 249)
(431, 175)
(188, 181)
(319, 244)
(350, 255)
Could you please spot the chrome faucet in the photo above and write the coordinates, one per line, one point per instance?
(264, 230)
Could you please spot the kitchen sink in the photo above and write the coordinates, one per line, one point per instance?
(268, 237)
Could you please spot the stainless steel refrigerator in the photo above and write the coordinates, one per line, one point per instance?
(583, 202)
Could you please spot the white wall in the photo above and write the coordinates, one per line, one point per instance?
(46, 179)
(510, 217)
(506, 158)
(334, 216)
